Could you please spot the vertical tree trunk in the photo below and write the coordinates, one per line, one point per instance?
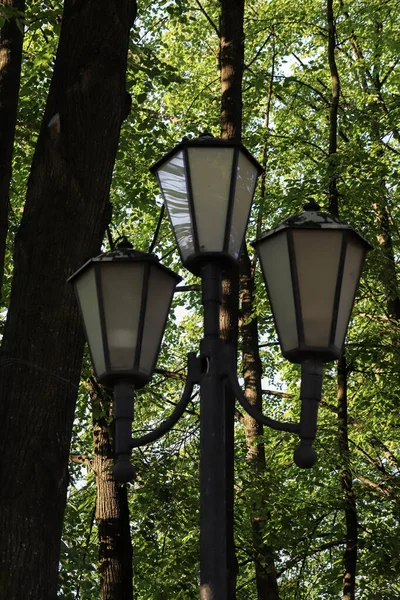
(11, 38)
(333, 116)
(350, 554)
(63, 223)
(371, 84)
(112, 510)
(231, 58)
(388, 264)
(266, 580)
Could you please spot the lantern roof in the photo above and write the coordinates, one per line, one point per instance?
(313, 217)
(206, 140)
(124, 252)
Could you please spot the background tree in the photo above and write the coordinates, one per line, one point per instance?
(173, 57)
(64, 218)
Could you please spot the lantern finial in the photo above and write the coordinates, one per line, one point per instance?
(311, 205)
(124, 244)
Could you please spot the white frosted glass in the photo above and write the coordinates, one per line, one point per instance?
(351, 274)
(274, 256)
(172, 180)
(87, 294)
(122, 292)
(317, 259)
(210, 174)
(246, 179)
(161, 289)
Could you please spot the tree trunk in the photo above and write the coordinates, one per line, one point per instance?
(388, 271)
(112, 510)
(11, 38)
(333, 116)
(231, 58)
(350, 553)
(65, 215)
(371, 85)
(266, 580)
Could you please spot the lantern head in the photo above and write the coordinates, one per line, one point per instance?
(124, 298)
(208, 186)
(311, 265)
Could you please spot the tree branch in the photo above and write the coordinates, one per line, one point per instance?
(211, 22)
(81, 459)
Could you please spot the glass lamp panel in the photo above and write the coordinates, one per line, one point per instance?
(274, 257)
(88, 300)
(210, 175)
(122, 285)
(317, 260)
(246, 179)
(172, 178)
(351, 274)
(159, 298)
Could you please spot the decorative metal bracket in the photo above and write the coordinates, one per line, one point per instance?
(310, 396)
(194, 374)
(124, 397)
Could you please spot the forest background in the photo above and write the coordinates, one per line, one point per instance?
(89, 99)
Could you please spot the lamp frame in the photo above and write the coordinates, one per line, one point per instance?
(197, 259)
(123, 254)
(317, 221)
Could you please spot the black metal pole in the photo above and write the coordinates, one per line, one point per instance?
(310, 395)
(215, 521)
(124, 398)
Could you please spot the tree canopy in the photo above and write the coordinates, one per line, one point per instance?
(321, 97)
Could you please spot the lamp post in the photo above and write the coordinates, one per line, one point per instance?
(311, 264)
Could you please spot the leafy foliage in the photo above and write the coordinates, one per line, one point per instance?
(173, 80)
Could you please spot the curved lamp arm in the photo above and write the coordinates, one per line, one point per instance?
(255, 413)
(192, 378)
(310, 396)
(123, 471)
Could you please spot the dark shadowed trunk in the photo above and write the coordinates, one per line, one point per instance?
(11, 38)
(266, 580)
(65, 215)
(346, 479)
(350, 553)
(371, 84)
(333, 116)
(231, 58)
(388, 263)
(112, 510)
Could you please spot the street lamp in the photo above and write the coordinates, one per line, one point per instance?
(208, 187)
(124, 297)
(311, 264)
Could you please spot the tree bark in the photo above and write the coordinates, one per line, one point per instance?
(11, 39)
(65, 215)
(231, 59)
(333, 116)
(388, 263)
(350, 554)
(112, 510)
(346, 478)
(266, 578)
